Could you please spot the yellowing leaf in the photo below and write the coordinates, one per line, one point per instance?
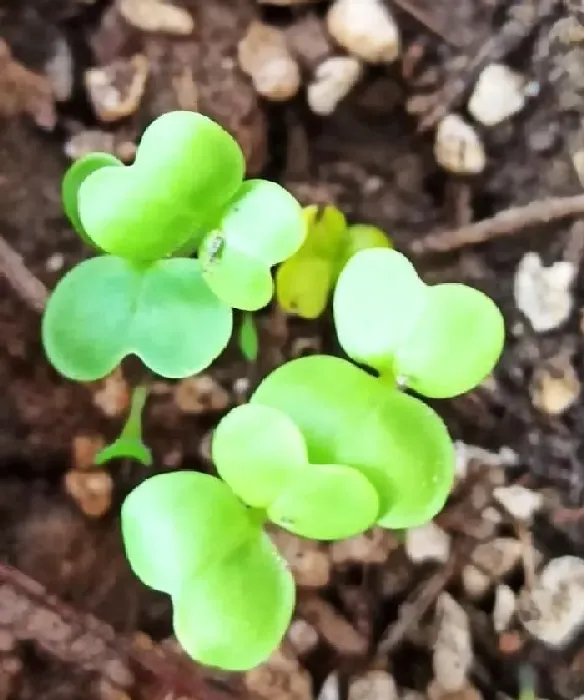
(303, 285)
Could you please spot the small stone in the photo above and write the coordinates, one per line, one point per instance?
(468, 692)
(333, 79)
(263, 55)
(113, 395)
(543, 294)
(200, 394)
(466, 454)
(373, 685)
(504, 608)
(156, 16)
(285, 2)
(518, 501)
(55, 262)
(498, 557)
(89, 141)
(280, 678)
(91, 490)
(427, 543)
(308, 560)
(453, 654)
(116, 90)
(499, 93)
(553, 610)
(366, 29)
(371, 547)
(555, 386)
(302, 636)
(458, 147)
(59, 70)
(330, 688)
(475, 582)
(85, 449)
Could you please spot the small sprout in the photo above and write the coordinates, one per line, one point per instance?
(248, 337)
(130, 444)
(107, 308)
(444, 342)
(261, 226)
(174, 314)
(149, 209)
(346, 416)
(304, 281)
(188, 535)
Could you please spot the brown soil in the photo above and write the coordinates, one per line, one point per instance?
(375, 161)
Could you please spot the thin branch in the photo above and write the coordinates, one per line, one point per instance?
(29, 612)
(506, 223)
(21, 279)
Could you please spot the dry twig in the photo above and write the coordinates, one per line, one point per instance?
(505, 223)
(21, 279)
(28, 612)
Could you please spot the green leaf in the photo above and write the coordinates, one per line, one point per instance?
(442, 342)
(180, 525)
(326, 234)
(262, 226)
(74, 178)
(330, 502)
(187, 167)
(371, 318)
(130, 443)
(105, 309)
(303, 285)
(248, 337)
(362, 237)
(257, 451)
(457, 341)
(349, 417)
(236, 614)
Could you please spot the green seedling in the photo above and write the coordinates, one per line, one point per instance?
(130, 444)
(443, 342)
(324, 449)
(142, 296)
(187, 534)
(248, 337)
(305, 280)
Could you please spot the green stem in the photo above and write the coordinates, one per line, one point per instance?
(133, 427)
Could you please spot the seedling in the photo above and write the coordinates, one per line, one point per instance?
(305, 281)
(324, 449)
(130, 444)
(184, 192)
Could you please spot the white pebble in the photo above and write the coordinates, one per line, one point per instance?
(458, 148)
(453, 654)
(519, 502)
(499, 93)
(302, 635)
(263, 55)
(475, 582)
(156, 16)
(543, 294)
(373, 685)
(553, 611)
(427, 543)
(504, 609)
(366, 29)
(334, 78)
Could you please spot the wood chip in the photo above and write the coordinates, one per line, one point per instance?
(333, 627)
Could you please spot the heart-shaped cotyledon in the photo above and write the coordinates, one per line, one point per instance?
(443, 342)
(107, 308)
(261, 226)
(261, 454)
(186, 170)
(348, 417)
(188, 535)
